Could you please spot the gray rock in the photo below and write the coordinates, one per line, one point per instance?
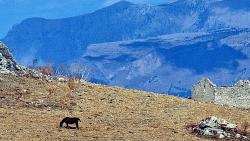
(7, 62)
(238, 136)
(217, 128)
(61, 80)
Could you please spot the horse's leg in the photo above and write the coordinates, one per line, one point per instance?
(77, 125)
(67, 125)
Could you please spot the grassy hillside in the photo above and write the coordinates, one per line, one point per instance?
(31, 109)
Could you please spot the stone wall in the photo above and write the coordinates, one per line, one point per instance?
(235, 96)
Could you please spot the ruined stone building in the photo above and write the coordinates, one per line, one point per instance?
(235, 96)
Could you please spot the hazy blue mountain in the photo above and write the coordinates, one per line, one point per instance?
(60, 40)
(164, 48)
(172, 63)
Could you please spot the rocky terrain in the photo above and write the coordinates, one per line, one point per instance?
(8, 65)
(7, 62)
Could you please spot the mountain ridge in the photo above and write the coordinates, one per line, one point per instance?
(160, 64)
(185, 23)
(121, 21)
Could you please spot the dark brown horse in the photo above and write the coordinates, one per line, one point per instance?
(69, 120)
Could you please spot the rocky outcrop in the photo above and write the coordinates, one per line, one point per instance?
(7, 62)
(8, 65)
(235, 96)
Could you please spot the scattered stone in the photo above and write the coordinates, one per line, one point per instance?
(62, 80)
(238, 136)
(214, 127)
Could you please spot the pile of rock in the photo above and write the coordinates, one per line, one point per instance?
(38, 75)
(214, 127)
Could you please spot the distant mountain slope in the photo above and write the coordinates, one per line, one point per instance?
(172, 63)
(60, 40)
(201, 38)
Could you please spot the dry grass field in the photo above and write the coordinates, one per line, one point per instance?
(31, 109)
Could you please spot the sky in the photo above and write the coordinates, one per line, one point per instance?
(14, 11)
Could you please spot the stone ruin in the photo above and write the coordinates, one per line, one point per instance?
(233, 96)
(213, 127)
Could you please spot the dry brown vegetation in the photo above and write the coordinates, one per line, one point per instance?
(72, 84)
(46, 70)
(244, 128)
(31, 109)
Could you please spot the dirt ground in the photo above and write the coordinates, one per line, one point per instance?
(31, 109)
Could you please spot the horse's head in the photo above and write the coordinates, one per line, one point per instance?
(78, 119)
